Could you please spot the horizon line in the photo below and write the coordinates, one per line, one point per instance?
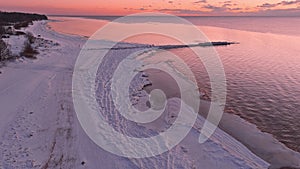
(95, 15)
(76, 15)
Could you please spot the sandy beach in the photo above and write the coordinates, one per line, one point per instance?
(195, 84)
(41, 129)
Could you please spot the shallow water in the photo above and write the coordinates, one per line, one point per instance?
(263, 80)
(262, 72)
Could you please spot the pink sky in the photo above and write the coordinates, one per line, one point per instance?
(177, 7)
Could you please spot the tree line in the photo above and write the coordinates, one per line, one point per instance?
(7, 18)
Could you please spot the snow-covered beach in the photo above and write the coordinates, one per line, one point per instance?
(39, 127)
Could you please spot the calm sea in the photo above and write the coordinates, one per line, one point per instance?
(263, 71)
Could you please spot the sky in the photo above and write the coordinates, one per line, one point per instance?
(176, 7)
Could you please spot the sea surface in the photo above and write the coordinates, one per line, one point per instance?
(262, 71)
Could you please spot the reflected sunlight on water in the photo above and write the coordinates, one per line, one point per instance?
(262, 71)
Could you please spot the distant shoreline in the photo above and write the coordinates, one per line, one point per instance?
(245, 24)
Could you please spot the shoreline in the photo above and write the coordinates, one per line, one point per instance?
(268, 150)
(229, 124)
(232, 141)
(70, 18)
(262, 144)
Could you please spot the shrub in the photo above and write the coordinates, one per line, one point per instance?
(22, 24)
(4, 51)
(28, 51)
(20, 33)
(30, 37)
(2, 30)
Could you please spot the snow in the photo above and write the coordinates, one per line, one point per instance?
(15, 43)
(39, 128)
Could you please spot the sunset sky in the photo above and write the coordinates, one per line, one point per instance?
(177, 7)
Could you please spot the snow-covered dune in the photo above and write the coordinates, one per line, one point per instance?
(39, 127)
